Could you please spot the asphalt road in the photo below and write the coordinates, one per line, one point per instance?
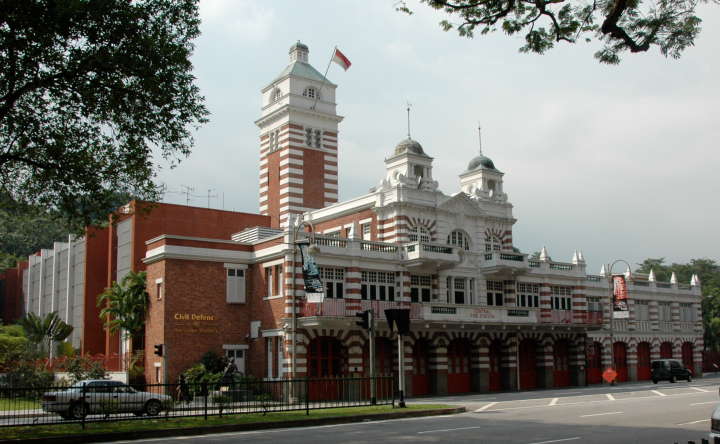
(632, 413)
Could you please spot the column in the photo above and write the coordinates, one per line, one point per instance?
(353, 276)
(653, 312)
(546, 363)
(579, 304)
(632, 361)
(578, 360)
(509, 293)
(439, 368)
(480, 366)
(545, 302)
(509, 370)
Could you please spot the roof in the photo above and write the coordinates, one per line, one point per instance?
(481, 161)
(409, 146)
(304, 70)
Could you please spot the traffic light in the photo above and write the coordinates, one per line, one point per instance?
(159, 349)
(400, 318)
(365, 319)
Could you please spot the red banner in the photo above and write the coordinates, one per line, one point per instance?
(620, 297)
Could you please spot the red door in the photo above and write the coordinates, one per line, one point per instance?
(495, 356)
(528, 373)
(666, 350)
(620, 358)
(561, 371)
(643, 361)
(420, 378)
(383, 367)
(594, 364)
(459, 366)
(326, 361)
(687, 356)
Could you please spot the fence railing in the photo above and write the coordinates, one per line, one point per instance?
(100, 400)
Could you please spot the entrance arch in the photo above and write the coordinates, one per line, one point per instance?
(620, 358)
(594, 363)
(459, 365)
(643, 361)
(495, 362)
(687, 356)
(421, 368)
(666, 350)
(326, 358)
(561, 370)
(528, 363)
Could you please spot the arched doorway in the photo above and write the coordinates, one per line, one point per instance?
(459, 366)
(326, 358)
(495, 361)
(687, 356)
(383, 367)
(561, 370)
(620, 358)
(528, 362)
(666, 350)
(421, 369)
(643, 361)
(594, 363)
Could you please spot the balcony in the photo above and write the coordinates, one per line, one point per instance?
(497, 262)
(336, 308)
(336, 246)
(431, 256)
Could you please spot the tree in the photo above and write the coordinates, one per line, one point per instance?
(13, 346)
(124, 305)
(90, 92)
(46, 330)
(623, 25)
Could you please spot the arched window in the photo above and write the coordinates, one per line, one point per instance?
(418, 233)
(458, 238)
(311, 93)
(276, 94)
(492, 243)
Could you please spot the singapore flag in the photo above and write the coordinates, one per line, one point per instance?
(341, 60)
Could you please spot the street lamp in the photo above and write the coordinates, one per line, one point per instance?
(295, 230)
(611, 286)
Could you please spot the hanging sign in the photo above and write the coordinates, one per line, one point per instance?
(620, 297)
(314, 288)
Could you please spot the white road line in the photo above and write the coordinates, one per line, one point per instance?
(600, 414)
(693, 422)
(554, 401)
(658, 393)
(610, 397)
(557, 440)
(707, 402)
(699, 389)
(450, 430)
(485, 407)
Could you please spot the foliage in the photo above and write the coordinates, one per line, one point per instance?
(709, 273)
(65, 349)
(622, 25)
(28, 374)
(81, 367)
(197, 375)
(14, 346)
(46, 330)
(213, 362)
(90, 92)
(136, 372)
(124, 305)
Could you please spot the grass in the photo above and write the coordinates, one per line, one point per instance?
(29, 432)
(18, 404)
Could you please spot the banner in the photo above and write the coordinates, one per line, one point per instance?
(620, 296)
(314, 288)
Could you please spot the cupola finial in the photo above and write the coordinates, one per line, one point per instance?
(480, 138)
(408, 117)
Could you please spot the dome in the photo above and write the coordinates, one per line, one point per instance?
(409, 146)
(300, 46)
(480, 161)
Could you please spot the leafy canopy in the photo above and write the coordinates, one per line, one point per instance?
(43, 331)
(124, 305)
(622, 25)
(90, 92)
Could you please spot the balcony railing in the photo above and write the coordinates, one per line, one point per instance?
(328, 241)
(378, 246)
(561, 266)
(338, 308)
(497, 261)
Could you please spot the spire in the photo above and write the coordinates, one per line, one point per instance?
(581, 258)
(575, 259)
(544, 256)
(627, 272)
(480, 138)
(673, 278)
(694, 281)
(651, 276)
(408, 113)
(603, 270)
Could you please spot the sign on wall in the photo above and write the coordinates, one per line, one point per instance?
(620, 297)
(314, 288)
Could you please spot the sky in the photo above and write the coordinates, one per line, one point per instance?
(620, 162)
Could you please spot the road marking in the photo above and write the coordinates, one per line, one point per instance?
(600, 414)
(701, 403)
(557, 440)
(450, 430)
(658, 393)
(699, 389)
(554, 401)
(610, 397)
(485, 407)
(694, 422)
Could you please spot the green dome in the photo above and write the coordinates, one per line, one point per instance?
(409, 146)
(481, 161)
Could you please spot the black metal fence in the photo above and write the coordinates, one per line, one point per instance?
(102, 400)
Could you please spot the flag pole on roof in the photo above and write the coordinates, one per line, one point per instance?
(339, 58)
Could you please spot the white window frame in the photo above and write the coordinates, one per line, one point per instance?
(421, 287)
(495, 293)
(379, 283)
(334, 280)
(527, 295)
(561, 298)
(460, 239)
(235, 283)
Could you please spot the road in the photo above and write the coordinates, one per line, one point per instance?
(629, 413)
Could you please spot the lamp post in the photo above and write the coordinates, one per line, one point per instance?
(611, 287)
(293, 325)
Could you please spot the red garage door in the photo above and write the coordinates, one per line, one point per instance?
(643, 360)
(594, 364)
(620, 358)
(528, 371)
(421, 378)
(666, 350)
(687, 356)
(561, 371)
(459, 366)
(495, 357)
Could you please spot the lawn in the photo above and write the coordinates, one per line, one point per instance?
(29, 432)
(18, 404)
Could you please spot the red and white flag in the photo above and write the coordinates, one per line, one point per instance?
(341, 60)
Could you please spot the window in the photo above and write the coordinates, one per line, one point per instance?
(311, 93)
(313, 137)
(492, 243)
(365, 229)
(561, 298)
(308, 136)
(641, 310)
(273, 279)
(687, 312)
(420, 288)
(664, 311)
(418, 171)
(377, 285)
(276, 94)
(274, 356)
(419, 233)
(158, 290)
(458, 238)
(594, 304)
(334, 279)
(528, 295)
(318, 139)
(495, 293)
(235, 286)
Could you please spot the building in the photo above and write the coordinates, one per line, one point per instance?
(484, 316)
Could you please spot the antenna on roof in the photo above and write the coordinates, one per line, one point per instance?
(480, 136)
(408, 119)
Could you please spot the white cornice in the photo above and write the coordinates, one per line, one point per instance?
(285, 110)
(213, 255)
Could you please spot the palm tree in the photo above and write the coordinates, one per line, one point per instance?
(46, 330)
(124, 305)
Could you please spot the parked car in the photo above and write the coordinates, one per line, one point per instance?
(101, 396)
(669, 370)
(715, 424)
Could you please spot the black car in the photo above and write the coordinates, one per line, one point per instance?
(669, 370)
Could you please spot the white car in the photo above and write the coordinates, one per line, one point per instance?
(715, 424)
(101, 396)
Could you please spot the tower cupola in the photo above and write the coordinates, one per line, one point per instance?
(299, 53)
(482, 180)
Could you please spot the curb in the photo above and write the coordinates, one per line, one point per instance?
(191, 431)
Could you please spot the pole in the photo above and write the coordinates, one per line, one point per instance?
(293, 342)
(610, 323)
(165, 368)
(517, 360)
(401, 371)
(373, 392)
(317, 96)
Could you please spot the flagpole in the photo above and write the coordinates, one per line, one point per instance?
(317, 96)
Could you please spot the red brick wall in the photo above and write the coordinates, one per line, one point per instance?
(96, 272)
(348, 219)
(314, 179)
(11, 293)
